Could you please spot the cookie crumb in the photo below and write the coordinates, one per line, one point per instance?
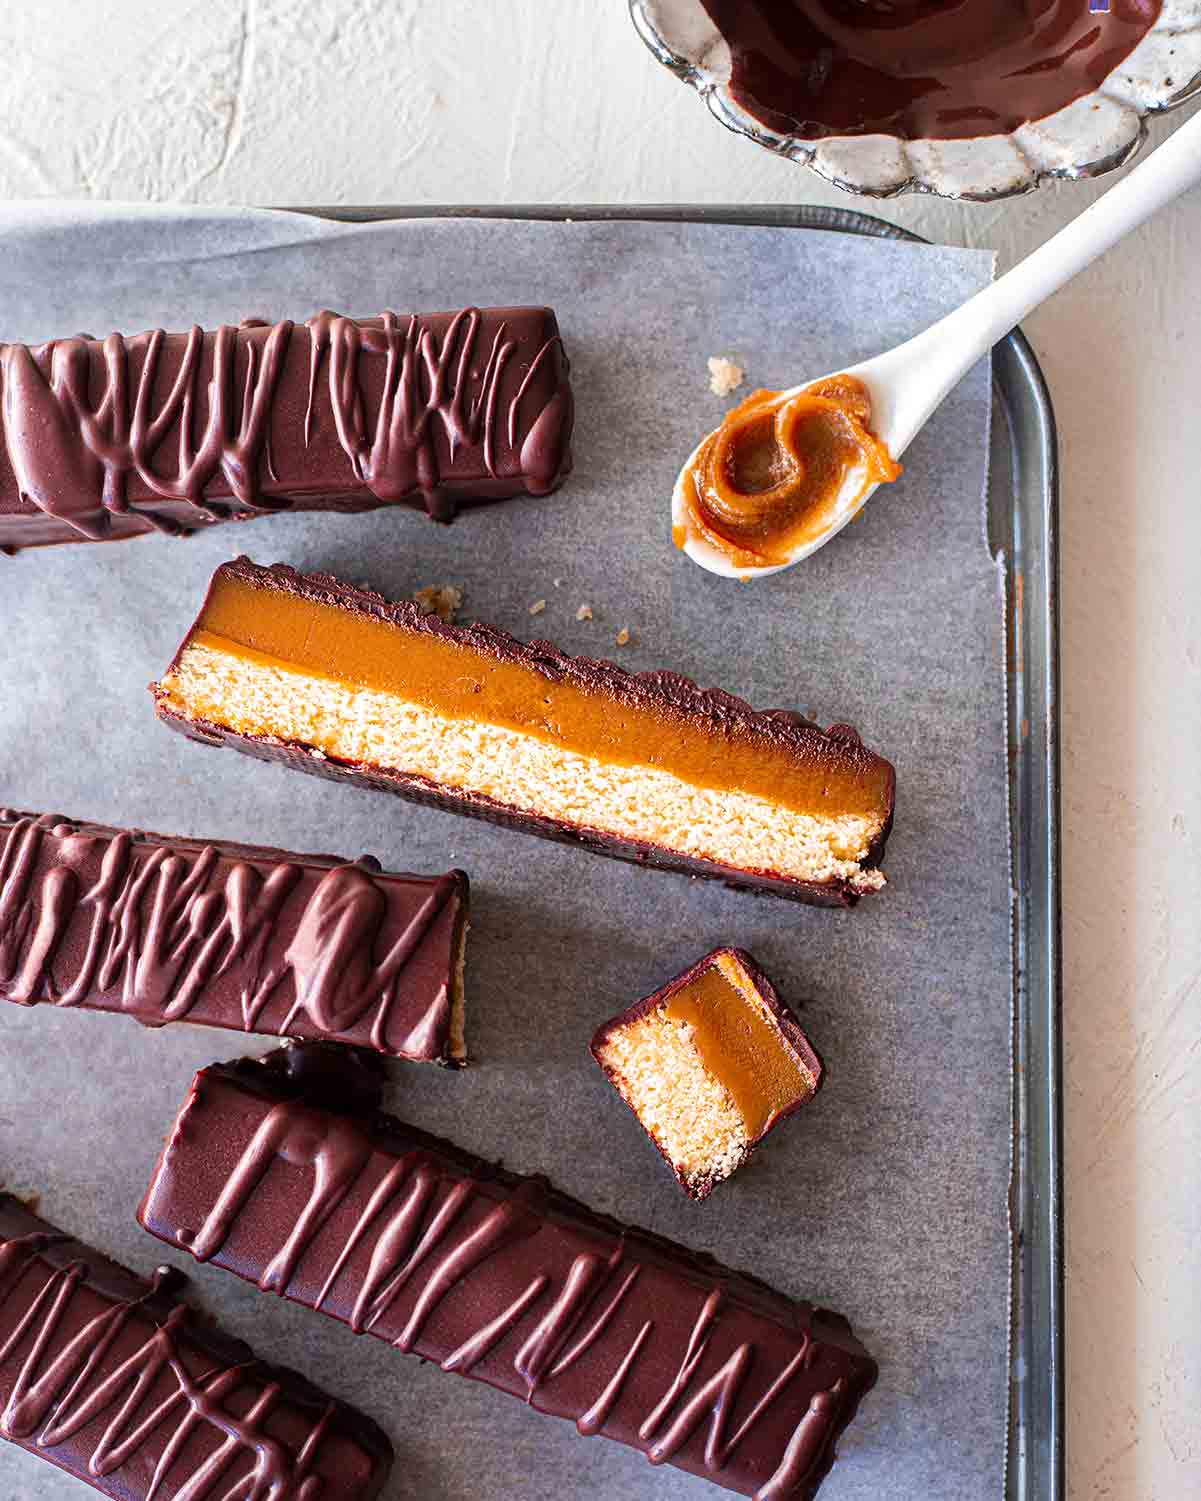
(584, 612)
(442, 600)
(724, 375)
(623, 637)
(537, 607)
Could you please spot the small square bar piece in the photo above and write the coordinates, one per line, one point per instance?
(709, 1064)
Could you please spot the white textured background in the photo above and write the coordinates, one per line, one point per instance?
(345, 101)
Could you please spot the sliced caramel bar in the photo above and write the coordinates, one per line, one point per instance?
(337, 681)
(709, 1064)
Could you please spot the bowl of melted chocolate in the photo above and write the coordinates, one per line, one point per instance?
(966, 98)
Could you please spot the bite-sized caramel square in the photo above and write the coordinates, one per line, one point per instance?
(709, 1064)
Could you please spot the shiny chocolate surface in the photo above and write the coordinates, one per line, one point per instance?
(505, 1280)
(172, 432)
(237, 936)
(110, 1377)
(943, 69)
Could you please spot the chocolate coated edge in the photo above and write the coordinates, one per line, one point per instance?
(226, 848)
(466, 493)
(786, 1022)
(230, 850)
(112, 1281)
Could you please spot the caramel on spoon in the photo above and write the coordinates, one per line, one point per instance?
(787, 470)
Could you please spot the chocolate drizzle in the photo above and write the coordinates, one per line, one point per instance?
(170, 432)
(73, 454)
(112, 1385)
(502, 1278)
(423, 381)
(112, 920)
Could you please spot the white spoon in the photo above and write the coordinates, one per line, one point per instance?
(909, 382)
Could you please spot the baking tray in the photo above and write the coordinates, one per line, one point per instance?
(1023, 520)
(1022, 514)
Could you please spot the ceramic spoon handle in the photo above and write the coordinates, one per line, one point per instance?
(914, 378)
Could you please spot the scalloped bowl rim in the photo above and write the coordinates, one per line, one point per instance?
(981, 168)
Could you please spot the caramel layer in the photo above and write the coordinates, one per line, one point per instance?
(771, 478)
(739, 1046)
(453, 678)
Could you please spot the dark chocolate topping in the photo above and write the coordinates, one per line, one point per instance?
(425, 382)
(505, 1279)
(228, 935)
(169, 432)
(345, 1079)
(921, 68)
(112, 1379)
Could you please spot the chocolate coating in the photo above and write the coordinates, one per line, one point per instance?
(941, 69)
(713, 710)
(173, 432)
(506, 1280)
(114, 1380)
(782, 1016)
(229, 935)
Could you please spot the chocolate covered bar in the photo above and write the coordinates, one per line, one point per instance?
(231, 935)
(271, 1173)
(710, 1063)
(105, 439)
(309, 671)
(114, 1380)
